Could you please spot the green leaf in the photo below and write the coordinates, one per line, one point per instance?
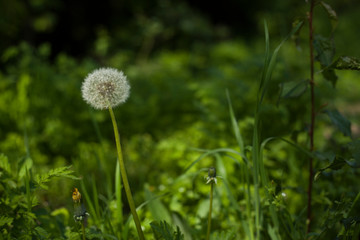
(330, 75)
(26, 166)
(339, 121)
(5, 220)
(346, 63)
(162, 230)
(211, 152)
(41, 233)
(41, 179)
(296, 36)
(235, 124)
(325, 50)
(331, 14)
(323, 156)
(270, 60)
(348, 222)
(325, 53)
(118, 188)
(293, 89)
(4, 163)
(224, 235)
(354, 148)
(156, 207)
(337, 164)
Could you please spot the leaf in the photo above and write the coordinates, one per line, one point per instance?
(354, 148)
(4, 163)
(325, 49)
(337, 164)
(27, 165)
(296, 36)
(270, 60)
(235, 124)
(339, 121)
(41, 179)
(211, 152)
(156, 207)
(347, 222)
(42, 233)
(331, 14)
(330, 156)
(293, 89)
(162, 230)
(5, 220)
(224, 235)
(325, 53)
(346, 63)
(329, 74)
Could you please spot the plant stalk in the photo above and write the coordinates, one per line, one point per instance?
(83, 229)
(124, 176)
(210, 210)
(312, 124)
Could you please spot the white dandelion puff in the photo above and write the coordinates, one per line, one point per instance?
(105, 87)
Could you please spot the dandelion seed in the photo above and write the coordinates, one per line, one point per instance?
(105, 87)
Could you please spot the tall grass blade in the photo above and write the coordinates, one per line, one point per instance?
(235, 124)
(223, 173)
(90, 204)
(95, 197)
(211, 152)
(259, 174)
(118, 187)
(270, 64)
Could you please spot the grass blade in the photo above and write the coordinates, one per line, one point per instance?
(235, 124)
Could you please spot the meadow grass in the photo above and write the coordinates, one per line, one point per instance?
(174, 200)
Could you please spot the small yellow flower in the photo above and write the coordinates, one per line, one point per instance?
(76, 195)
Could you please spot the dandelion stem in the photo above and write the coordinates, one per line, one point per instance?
(124, 176)
(210, 210)
(83, 229)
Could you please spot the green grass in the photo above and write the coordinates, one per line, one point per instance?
(183, 117)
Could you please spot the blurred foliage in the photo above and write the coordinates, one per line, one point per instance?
(180, 59)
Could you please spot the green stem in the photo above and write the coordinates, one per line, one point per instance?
(210, 210)
(312, 124)
(255, 152)
(124, 177)
(83, 229)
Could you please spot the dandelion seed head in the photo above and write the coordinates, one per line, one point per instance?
(104, 87)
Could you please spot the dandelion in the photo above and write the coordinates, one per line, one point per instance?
(211, 175)
(76, 195)
(105, 87)
(80, 213)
